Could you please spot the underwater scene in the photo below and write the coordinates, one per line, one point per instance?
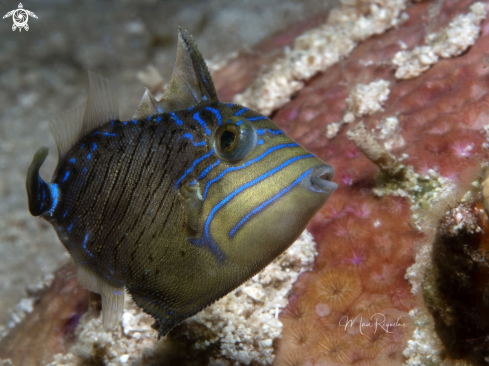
(227, 183)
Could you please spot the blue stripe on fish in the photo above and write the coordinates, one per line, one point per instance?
(216, 113)
(256, 118)
(191, 138)
(265, 204)
(194, 164)
(206, 240)
(54, 190)
(176, 119)
(65, 177)
(196, 117)
(85, 242)
(248, 163)
(208, 169)
(273, 132)
(241, 111)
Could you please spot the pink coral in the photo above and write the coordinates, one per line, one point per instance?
(440, 115)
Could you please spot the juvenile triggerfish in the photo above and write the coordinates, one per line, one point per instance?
(180, 204)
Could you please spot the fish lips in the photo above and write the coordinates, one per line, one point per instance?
(320, 179)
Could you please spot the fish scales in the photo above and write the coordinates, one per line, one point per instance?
(180, 204)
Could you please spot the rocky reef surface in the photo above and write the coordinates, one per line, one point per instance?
(395, 96)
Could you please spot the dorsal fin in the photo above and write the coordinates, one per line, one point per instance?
(148, 106)
(100, 107)
(190, 82)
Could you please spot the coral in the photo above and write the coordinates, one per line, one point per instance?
(336, 289)
(317, 49)
(52, 324)
(456, 289)
(451, 41)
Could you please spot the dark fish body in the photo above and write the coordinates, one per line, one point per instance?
(182, 203)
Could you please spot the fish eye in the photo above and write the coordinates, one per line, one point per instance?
(235, 139)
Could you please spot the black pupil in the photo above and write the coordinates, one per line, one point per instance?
(227, 139)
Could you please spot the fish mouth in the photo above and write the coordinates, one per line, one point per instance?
(320, 179)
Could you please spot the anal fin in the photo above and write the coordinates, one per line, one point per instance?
(112, 296)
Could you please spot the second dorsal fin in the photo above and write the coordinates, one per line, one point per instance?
(147, 106)
(100, 107)
(190, 82)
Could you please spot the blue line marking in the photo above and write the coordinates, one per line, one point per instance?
(189, 170)
(96, 132)
(72, 160)
(94, 146)
(124, 123)
(241, 111)
(109, 134)
(68, 229)
(53, 187)
(216, 113)
(273, 132)
(158, 119)
(191, 138)
(65, 177)
(149, 117)
(112, 123)
(248, 163)
(253, 212)
(238, 123)
(134, 121)
(176, 119)
(260, 142)
(193, 183)
(65, 214)
(43, 196)
(89, 156)
(206, 240)
(256, 118)
(85, 241)
(201, 122)
(208, 169)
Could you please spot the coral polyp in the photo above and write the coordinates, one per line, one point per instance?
(337, 289)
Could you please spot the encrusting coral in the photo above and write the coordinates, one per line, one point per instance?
(362, 303)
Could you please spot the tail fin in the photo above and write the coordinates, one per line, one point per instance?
(39, 193)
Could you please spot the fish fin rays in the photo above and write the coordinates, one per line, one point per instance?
(112, 296)
(191, 81)
(100, 108)
(66, 128)
(148, 106)
(167, 319)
